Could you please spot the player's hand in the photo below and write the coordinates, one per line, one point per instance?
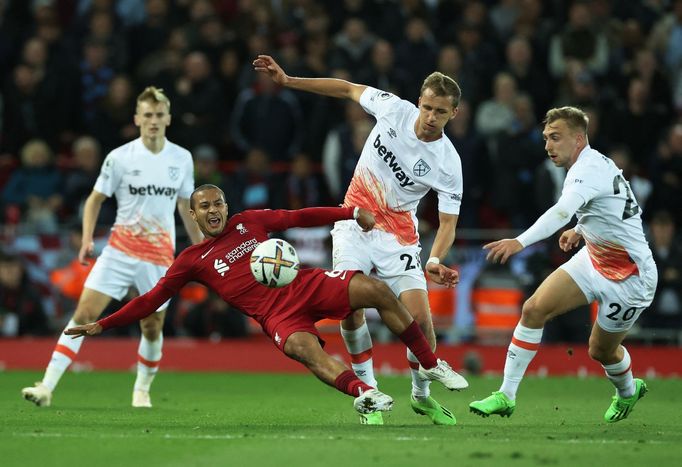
(441, 274)
(87, 251)
(91, 329)
(267, 64)
(501, 250)
(365, 219)
(569, 240)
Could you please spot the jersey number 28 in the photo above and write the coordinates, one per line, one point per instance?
(631, 208)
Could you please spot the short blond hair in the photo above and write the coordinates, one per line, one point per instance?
(153, 94)
(575, 118)
(442, 85)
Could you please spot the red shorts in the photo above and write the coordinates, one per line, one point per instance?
(314, 295)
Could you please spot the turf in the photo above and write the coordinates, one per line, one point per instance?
(293, 420)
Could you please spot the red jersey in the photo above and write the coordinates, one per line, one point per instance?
(223, 265)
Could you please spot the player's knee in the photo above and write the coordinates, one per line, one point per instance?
(298, 347)
(85, 314)
(598, 352)
(151, 328)
(532, 312)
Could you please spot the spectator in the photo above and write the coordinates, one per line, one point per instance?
(21, 311)
(304, 187)
(254, 186)
(496, 115)
(579, 42)
(79, 180)
(196, 102)
(206, 169)
(666, 310)
(35, 188)
(267, 116)
(111, 125)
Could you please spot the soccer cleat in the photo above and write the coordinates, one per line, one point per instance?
(438, 414)
(496, 404)
(141, 399)
(622, 406)
(39, 394)
(373, 400)
(372, 418)
(445, 375)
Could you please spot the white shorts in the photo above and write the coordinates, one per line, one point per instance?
(115, 272)
(399, 266)
(620, 302)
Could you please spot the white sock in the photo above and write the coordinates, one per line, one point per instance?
(148, 358)
(359, 345)
(420, 387)
(620, 374)
(522, 349)
(64, 353)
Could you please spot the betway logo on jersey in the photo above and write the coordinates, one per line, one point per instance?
(389, 158)
(152, 190)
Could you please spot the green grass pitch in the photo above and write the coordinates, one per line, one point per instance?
(226, 419)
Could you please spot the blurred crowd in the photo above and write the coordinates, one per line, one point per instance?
(70, 71)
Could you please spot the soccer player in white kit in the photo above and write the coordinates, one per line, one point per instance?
(404, 157)
(149, 176)
(615, 267)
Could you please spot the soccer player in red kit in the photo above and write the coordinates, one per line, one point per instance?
(287, 315)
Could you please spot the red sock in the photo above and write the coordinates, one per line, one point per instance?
(349, 384)
(414, 339)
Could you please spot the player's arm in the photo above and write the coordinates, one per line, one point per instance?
(282, 219)
(191, 227)
(135, 310)
(445, 237)
(326, 86)
(552, 220)
(91, 209)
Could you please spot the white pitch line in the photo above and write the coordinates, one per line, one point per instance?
(317, 438)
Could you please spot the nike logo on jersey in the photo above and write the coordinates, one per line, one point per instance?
(389, 158)
(206, 254)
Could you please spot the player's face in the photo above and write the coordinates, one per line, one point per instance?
(210, 212)
(562, 144)
(152, 118)
(434, 114)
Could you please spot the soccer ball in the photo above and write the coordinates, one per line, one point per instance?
(274, 263)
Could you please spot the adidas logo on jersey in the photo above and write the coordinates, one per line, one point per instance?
(389, 159)
(152, 190)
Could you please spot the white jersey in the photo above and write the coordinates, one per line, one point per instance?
(146, 186)
(396, 170)
(610, 220)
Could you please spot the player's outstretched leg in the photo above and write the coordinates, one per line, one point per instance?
(621, 407)
(428, 406)
(496, 404)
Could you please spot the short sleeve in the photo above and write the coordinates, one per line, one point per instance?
(109, 176)
(187, 186)
(450, 196)
(377, 102)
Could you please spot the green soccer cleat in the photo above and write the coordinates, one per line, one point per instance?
(622, 406)
(496, 404)
(372, 418)
(438, 414)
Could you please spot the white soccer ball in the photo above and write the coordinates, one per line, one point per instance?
(274, 263)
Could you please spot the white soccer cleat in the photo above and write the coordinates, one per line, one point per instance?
(445, 375)
(39, 394)
(141, 399)
(373, 400)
